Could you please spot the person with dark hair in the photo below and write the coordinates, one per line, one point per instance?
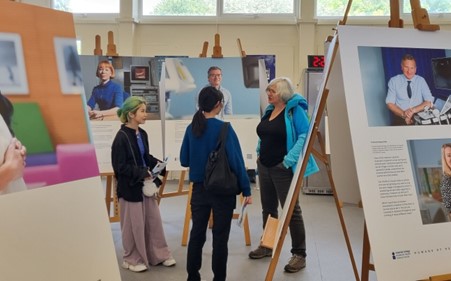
(408, 93)
(12, 152)
(200, 139)
(445, 184)
(107, 95)
(143, 236)
(214, 79)
(282, 132)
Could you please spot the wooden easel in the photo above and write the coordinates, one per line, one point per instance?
(111, 197)
(204, 50)
(98, 49)
(217, 49)
(366, 265)
(395, 19)
(111, 47)
(240, 48)
(322, 157)
(180, 190)
(420, 17)
(445, 277)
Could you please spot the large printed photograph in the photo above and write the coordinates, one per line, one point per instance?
(13, 76)
(110, 80)
(406, 86)
(401, 173)
(431, 165)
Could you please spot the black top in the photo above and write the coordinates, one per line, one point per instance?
(273, 138)
(129, 176)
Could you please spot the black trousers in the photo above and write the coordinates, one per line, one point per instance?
(202, 204)
(275, 184)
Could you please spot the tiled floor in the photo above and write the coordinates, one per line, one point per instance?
(327, 260)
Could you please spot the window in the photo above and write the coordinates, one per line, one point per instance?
(88, 6)
(179, 7)
(210, 7)
(432, 6)
(258, 7)
(337, 8)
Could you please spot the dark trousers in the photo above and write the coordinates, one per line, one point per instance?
(202, 203)
(275, 183)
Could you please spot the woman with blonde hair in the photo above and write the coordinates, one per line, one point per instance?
(445, 184)
(282, 132)
(143, 237)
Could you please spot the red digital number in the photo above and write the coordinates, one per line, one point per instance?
(318, 61)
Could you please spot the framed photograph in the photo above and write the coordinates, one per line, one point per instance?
(13, 75)
(69, 69)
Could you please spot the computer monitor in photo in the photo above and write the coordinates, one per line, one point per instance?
(441, 69)
(139, 74)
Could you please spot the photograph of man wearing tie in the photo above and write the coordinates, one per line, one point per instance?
(407, 94)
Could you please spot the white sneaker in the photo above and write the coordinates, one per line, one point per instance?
(135, 268)
(169, 262)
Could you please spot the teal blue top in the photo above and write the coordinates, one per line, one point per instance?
(195, 150)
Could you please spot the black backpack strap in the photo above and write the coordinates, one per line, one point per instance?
(223, 134)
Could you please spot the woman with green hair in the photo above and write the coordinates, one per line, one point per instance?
(143, 237)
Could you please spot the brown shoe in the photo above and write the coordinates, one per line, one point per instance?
(295, 264)
(260, 253)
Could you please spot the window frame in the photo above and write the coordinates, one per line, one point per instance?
(92, 17)
(224, 18)
(405, 16)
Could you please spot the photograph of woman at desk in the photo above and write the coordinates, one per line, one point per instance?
(445, 184)
(108, 96)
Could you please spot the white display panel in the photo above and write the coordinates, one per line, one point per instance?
(59, 232)
(404, 245)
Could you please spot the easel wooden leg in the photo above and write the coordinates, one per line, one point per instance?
(187, 217)
(108, 189)
(111, 197)
(366, 265)
(247, 236)
(180, 190)
(116, 216)
(163, 185)
(323, 157)
(247, 233)
(445, 277)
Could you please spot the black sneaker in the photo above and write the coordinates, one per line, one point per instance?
(295, 264)
(260, 253)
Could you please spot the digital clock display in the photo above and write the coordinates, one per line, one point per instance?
(315, 61)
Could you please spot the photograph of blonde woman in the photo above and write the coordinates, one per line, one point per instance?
(445, 183)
